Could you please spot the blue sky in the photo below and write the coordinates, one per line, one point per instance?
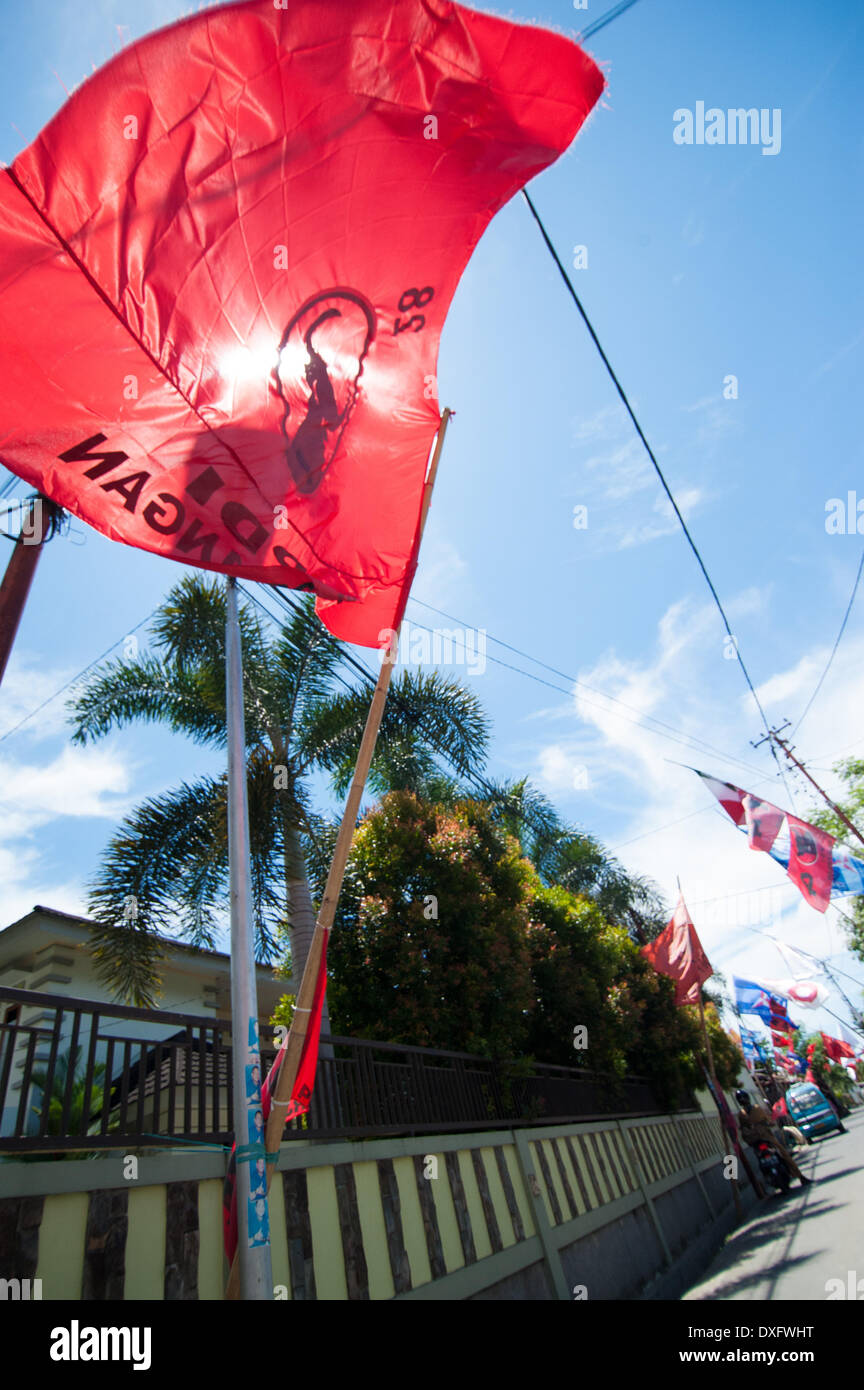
(704, 262)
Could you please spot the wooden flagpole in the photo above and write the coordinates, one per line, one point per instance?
(41, 520)
(287, 1074)
(726, 1124)
(739, 1212)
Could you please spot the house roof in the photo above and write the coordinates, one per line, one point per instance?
(17, 943)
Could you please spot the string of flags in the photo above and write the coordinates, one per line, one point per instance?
(678, 954)
(820, 868)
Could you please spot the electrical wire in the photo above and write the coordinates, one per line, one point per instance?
(677, 734)
(74, 680)
(658, 470)
(834, 648)
(687, 741)
(604, 20)
(280, 598)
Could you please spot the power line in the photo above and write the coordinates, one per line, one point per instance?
(834, 648)
(74, 680)
(658, 470)
(693, 744)
(280, 597)
(604, 20)
(678, 734)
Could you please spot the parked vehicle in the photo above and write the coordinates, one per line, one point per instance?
(772, 1167)
(812, 1112)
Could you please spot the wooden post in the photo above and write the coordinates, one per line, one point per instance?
(739, 1211)
(287, 1074)
(38, 526)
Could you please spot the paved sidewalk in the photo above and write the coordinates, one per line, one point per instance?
(794, 1244)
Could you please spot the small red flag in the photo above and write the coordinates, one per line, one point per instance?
(301, 1099)
(763, 822)
(811, 861)
(837, 1050)
(225, 266)
(677, 952)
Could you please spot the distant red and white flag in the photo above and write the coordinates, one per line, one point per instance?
(855, 1040)
(808, 993)
(224, 270)
(805, 851)
(677, 952)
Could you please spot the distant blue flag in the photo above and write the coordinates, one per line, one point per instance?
(752, 998)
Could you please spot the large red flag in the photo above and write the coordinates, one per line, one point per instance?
(224, 270)
(677, 952)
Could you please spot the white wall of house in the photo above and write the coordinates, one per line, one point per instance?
(48, 952)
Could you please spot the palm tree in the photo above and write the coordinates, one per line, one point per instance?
(56, 1097)
(170, 855)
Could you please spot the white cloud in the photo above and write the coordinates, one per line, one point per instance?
(78, 782)
(27, 684)
(671, 824)
(663, 521)
(562, 769)
(796, 684)
(620, 469)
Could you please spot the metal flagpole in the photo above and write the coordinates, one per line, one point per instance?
(253, 1224)
(289, 1067)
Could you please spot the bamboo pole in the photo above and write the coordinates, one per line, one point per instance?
(739, 1211)
(287, 1074)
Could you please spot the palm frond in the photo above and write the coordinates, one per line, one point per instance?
(428, 719)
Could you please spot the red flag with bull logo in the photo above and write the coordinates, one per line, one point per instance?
(224, 270)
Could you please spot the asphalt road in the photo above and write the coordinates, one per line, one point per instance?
(793, 1245)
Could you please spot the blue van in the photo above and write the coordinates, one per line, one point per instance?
(811, 1111)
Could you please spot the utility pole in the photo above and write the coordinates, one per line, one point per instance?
(40, 522)
(773, 736)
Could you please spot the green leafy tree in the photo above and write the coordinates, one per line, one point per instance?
(576, 960)
(55, 1097)
(430, 943)
(833, 1079)
(562, 855)
(447, 937)
(170, 855)
(851, 772)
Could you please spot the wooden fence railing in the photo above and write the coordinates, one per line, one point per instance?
(86, 1075)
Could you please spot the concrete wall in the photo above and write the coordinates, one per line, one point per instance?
(610, 1209)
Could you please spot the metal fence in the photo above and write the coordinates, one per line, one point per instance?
(85, 1075)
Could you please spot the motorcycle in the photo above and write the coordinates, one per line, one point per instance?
(772, 1167)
